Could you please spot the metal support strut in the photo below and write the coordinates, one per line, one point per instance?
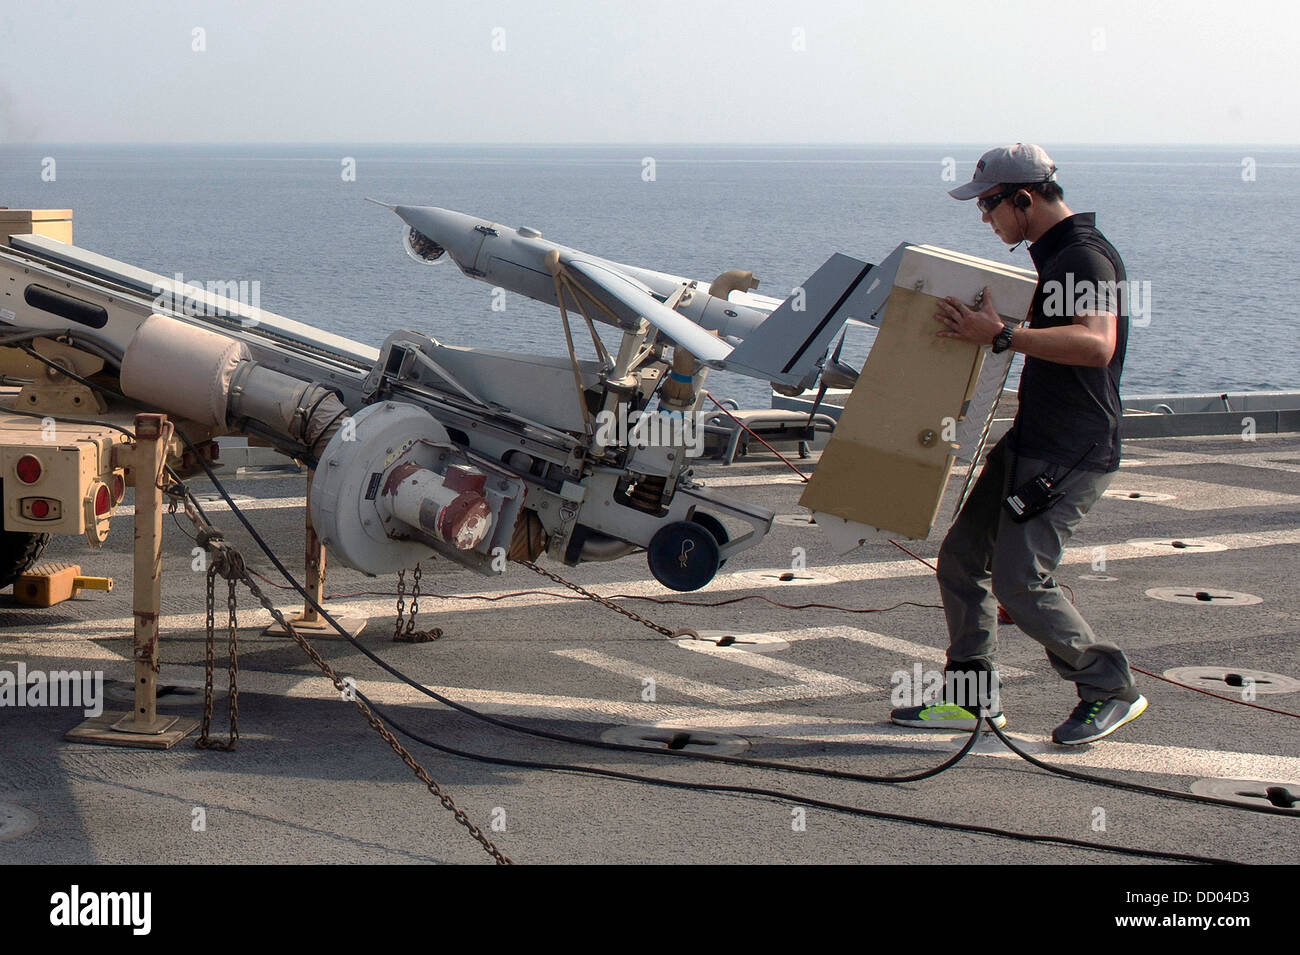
(309, 621)
(143, 727)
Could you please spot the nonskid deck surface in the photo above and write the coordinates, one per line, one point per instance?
(311, 782)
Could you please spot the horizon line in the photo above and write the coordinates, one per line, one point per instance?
(630, 143)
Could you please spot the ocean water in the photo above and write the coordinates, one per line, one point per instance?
(1212, 229)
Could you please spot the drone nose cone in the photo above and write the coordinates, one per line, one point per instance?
(454, 231)
(430, 220)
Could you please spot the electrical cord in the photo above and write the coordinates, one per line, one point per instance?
(709, 757)
(791, 798)
(493, 598)
(601, 744)
(1194, 689)
(87, 422)
(1133, 787)
(545, 734)
(1217, 696)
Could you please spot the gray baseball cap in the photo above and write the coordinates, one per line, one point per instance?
(1009, 164)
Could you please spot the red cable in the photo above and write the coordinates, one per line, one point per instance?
(1217, 696)
(742, 424)
(1196, 689)
(910, 554)
(724, 603)
(656, 600)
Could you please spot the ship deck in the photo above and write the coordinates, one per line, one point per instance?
(310, 782)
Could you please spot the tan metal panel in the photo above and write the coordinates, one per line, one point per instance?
(54, 223)
(887, 465)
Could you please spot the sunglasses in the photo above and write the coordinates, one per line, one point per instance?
(989, 203)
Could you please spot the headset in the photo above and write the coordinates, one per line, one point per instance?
(1021, 201)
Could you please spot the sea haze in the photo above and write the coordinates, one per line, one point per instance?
(1212, 229)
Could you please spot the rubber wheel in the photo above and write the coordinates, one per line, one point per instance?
(18, 551)
(714, 527)
(683, 555)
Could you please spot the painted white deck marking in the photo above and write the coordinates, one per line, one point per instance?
(808, 683)
(722, 584)
(904, 648)
(1114, 755)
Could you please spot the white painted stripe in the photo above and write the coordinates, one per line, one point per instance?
(904, 648)
(723, 584)
(1114, 755)
(747, 480)
(1204, 496)
(811, 684)
(211, 507)
(82, 650)
(1267, 460)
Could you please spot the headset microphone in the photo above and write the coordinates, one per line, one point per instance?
(1021, 202)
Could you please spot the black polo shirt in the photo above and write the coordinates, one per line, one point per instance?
(1068, 412)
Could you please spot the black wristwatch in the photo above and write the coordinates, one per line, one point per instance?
(1003, 341)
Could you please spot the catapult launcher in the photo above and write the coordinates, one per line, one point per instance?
(420, 448)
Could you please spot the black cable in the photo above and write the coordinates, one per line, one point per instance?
(545, 734)
(789, 797)
(706, 757)
(117, 396)
(1134, 787)
(601, 744)
(86, 422)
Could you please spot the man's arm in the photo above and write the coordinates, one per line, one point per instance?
(1089, 341)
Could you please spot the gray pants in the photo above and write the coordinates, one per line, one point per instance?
(986, 553)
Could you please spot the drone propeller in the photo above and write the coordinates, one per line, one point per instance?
(833, 372)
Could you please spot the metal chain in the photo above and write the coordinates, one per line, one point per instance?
(670, 634)
(349, 693)
(202, 742)
(233, 667)
(405, 632)
(221, 563)
(401, 605)
(218, 550)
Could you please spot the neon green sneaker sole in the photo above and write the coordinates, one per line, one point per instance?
(941, 716)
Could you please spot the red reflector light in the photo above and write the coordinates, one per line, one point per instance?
(119, 488)
(40, 508)
(102, 500)
(29, 469)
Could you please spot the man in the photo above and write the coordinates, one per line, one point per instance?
(1066, 431)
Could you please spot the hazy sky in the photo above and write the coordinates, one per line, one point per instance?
(768, 71)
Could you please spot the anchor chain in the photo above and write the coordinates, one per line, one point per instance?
(404, 630)
(605, 602)
(225, 560)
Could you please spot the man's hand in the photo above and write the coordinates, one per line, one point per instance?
(959, 321)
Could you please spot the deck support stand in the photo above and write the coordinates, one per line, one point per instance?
(310, 620)
(143, 727)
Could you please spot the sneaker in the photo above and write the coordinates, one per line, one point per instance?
(1091, 721)
(942, 716)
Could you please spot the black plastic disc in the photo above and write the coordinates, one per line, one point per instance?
(714, 527)
(683, 556)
